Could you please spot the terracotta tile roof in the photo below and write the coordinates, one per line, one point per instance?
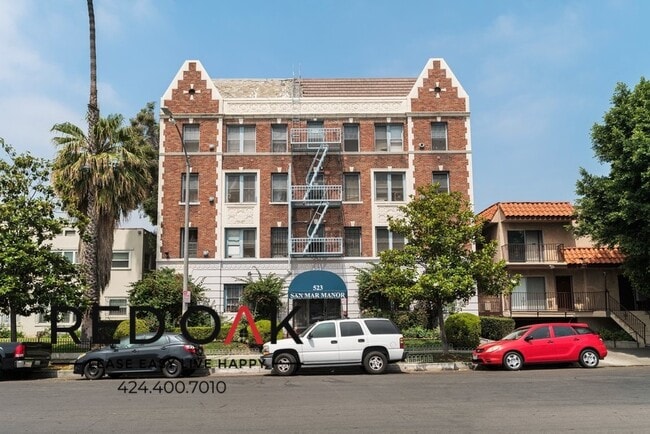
(592, 255)
(315, 87)
(530, 210)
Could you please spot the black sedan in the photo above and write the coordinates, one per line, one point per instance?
(171, 354)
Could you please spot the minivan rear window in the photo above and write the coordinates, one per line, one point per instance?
(381, 327)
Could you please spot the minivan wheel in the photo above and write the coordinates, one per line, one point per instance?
(513, 361)
(172, 368)
(375, 362)
(588, 358)
(94, 370)
(284, 364)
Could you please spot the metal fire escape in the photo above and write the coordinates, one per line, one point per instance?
(313, 202)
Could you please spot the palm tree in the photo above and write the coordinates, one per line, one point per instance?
(100, 177)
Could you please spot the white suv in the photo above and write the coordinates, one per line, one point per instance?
(370, 342)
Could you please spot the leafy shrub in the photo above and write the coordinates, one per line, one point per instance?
(419, 332)
(463, 330)
(264, 327)
(123, 329)
(199, 332)
(496, 327)
(614, 335)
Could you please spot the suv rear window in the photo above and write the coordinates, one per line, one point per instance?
(381, 327)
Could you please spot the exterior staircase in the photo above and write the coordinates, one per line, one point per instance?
(635, 323)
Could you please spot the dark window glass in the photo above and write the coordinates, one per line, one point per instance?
(563, 331)
(351, 328)
(327, 330)
(381, 327)
(540, 333)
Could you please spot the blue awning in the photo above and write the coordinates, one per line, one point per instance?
(317, 284)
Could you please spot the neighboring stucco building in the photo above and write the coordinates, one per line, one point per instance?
(563, 277)
(298, 176)
(133, 255)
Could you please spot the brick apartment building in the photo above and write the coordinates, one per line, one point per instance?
(297, 176)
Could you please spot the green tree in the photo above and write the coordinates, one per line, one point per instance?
(614, 209)
(100, 184)
(438, 265)
(263, 294)
(147, 126)
(163, 289)
(32, 276)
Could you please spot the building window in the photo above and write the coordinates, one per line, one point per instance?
(120, 303)
(351, 138)
(351, 190)
(525, 246)
(194, 187)
(191, 137)
(388, 137)
(69, 233)
(70, 255)
(279, 187)
(240, 138)
(120, 260)
(63, 318)
(279, 242)
(439, 136)
(192, 242)
(240, 188)
(232, 294)
(352, 241)
(529, 294)
(315, 131)
(278, 138)
(442, 179)
(240, 243)
(386, 239)
(389, 187)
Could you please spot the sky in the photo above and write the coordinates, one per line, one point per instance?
(539, 74)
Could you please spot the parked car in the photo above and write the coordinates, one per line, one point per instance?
(24, 356)
(171, 354)
(544, 343)
(369, 342)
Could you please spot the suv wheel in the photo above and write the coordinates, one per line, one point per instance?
(284, 364)
(375, 362)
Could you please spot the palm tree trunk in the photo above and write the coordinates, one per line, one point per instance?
(89, 242)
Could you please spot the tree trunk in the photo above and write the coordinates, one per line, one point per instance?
(13, 325)
(89, 244)
(443, 335)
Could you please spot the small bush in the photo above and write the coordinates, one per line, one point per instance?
(463, 330)
(419, 332)
(264, 327)
(200, 332)
(496, 327)
(122, 330)
(614, 335)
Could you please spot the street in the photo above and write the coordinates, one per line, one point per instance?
(532, 400)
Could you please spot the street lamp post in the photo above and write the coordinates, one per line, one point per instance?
(186, 230)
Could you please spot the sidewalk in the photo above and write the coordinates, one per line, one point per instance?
(615, 358)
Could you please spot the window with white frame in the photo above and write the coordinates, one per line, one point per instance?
(351, 189)
(62, 318)
(352, 238)
(388, 137)
(389, 187)
(279, 187)
(191, 137)
(442, 179)
(232, 294)
(240, 138)
(120, 260)
(439, 136)
(279, 138)
(70, 255)
(192, 242)
(121, 303)
(385, 239)
(240, 243)
(240, 188)
(279, 242)
(194, 187)
(351, 137)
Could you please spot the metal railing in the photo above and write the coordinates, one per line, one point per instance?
(557, 302)
(628, 318)
(313, 137)
(315, 194)
(533, 252)
(317, 246)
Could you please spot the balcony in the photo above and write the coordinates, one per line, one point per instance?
(536, 253)
(331, 246)
(311, 139)
(314, 195)
(557, 302)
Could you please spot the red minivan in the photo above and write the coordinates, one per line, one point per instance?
(544, 343)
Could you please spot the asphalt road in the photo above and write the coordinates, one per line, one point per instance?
(532, 400)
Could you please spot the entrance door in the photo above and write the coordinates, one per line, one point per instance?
(564, 290)
(626, 293)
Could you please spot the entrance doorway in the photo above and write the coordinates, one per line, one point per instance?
(315, 310)
(564, 290)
